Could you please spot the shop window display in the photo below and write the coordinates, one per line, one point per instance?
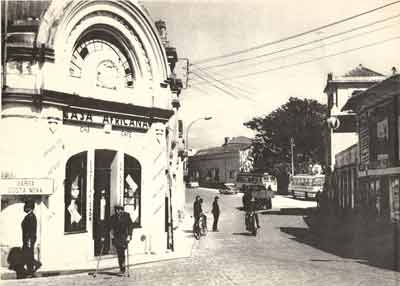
(75, 194)
(132, 189)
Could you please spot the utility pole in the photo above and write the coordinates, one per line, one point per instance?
(291, 152)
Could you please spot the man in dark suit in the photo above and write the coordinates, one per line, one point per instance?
(121, 225)
(215, 211)
(29, 228)
(197, 210)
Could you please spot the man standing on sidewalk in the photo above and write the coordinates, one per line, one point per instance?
(29, 228)
(121, 225)
(215, 211)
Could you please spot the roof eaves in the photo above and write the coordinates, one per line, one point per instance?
(354, 101)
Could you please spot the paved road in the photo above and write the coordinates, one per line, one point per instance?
(282, 254)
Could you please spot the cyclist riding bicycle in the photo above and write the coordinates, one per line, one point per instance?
(198, 213)
(250, 206)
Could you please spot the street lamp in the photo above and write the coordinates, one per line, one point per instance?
(187, 140)
(190, 125)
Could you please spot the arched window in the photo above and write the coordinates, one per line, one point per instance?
(132, 189)
(75, 194)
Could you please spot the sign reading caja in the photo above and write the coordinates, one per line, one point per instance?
(26, 186)
(86, 117)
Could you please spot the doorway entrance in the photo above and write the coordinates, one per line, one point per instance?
(105, 180)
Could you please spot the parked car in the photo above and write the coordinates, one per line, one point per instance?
(228, 188)
(192, 184)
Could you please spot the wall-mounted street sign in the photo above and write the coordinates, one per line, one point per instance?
(26, 186)
(79, 116)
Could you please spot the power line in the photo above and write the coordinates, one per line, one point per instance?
(246, 95)
(216, 86)
(199, 89)
(226, 87)
(318, 47)
(300, 45)
(313, 59)
(296, 35)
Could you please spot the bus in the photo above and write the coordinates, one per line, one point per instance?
(306, 186)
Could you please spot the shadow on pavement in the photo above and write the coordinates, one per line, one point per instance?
(242, 233)
(106, 273)
(347, 240)
(289, 211)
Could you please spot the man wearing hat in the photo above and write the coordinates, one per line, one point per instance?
(215, 211)
(29, 228)
(121, 225)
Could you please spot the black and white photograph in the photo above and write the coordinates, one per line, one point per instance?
(200, 142)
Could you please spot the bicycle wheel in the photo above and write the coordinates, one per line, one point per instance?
(204, 229)
(196, 232)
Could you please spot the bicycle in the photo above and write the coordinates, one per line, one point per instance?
(200, 227)
(251, 224)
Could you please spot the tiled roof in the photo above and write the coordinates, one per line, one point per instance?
(380, 90)
(240, 140)
(234, 145)
(230, 148)
(361, 71)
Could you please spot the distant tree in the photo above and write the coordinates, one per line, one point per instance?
(300, 119)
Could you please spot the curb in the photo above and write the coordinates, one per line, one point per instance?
(186, 252)
(10, 275)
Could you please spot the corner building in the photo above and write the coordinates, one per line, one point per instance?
(89, 119)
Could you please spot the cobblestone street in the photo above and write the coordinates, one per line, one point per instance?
(281, 254)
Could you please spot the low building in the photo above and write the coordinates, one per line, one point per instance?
(346, 179)
(221, 164)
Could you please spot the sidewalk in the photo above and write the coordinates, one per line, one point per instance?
(356, 236)
(183, 243)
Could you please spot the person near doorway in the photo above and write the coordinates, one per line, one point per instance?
(215, 211)
(122, 226)
(29, 229)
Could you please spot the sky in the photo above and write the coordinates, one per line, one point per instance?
(256, 82)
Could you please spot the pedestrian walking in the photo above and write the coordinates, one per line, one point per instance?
(215, 211)
(197, 210)
(318, 198)
(121, 225)
(29, 229)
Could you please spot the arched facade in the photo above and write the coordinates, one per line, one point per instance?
(90, 113)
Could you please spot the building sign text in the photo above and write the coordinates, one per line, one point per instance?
(119, 121)
(26, 186)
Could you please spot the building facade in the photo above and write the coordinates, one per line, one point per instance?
(346, 179)
(341, 130)
(221, 164)
(89, 119)
(377, 110)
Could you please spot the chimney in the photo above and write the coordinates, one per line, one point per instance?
(226, 140)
